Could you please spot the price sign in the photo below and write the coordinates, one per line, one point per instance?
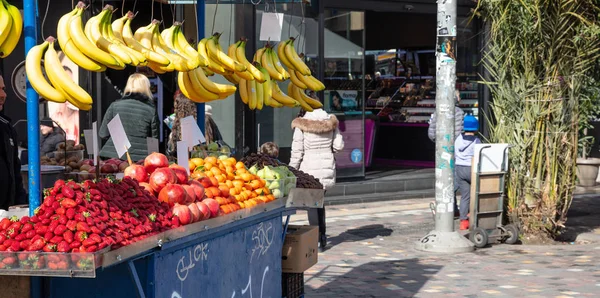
(117, 134)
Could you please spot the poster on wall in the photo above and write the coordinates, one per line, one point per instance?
(66, 114)
(341, 100)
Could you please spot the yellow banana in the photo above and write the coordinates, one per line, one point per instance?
(277, 64)
(294, 59)
(86, 46)
(310, 84)
(244, 91)
(258, 55)
(216, 54)
(315, 104)
(231, 53)
(33, 69)
(97, 38)
(233, 78)
(212, 65)
(295, 92)
(240, 54)
(282, 57)
(117, 27)
(313, 81)
(208, 72)
(212, 86)
(150, 55)
(296, 81)
(259, 95)
(158, 68)
(58, 76)
(281, 97)
(6, 23)
(204, 93)
(275, 104)
(268, 64)
(69, 48)
(183, 44)
(10, 43)
(252, 94)
(136, 57)
(183, 86)
(267, 88)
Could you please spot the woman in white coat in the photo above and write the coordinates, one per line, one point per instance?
(316, 138)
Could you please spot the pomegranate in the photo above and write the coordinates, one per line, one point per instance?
(213, 206)
(191, 195)
(183, 213)
(181, 172)
(203, 210)
(198, 189)
(155, 161)
(196, 214)
(88, 162)
(172, 194)
(136, 172)
(161, 177)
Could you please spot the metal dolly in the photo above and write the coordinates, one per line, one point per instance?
(487, 208)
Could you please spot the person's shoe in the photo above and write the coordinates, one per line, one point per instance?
(464, 224)
(322, 243)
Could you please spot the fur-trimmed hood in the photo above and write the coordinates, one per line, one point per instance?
(316, 126)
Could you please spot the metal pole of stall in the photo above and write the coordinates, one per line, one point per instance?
(200, 17)
(444, 239)
(33, 117)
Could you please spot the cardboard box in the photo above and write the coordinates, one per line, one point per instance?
(299, 249)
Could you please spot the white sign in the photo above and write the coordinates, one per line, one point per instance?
(118, 135)
(89, 140)
(183, 155)
(271, 26)
(152, 144)
(95, 142)
(190, 132)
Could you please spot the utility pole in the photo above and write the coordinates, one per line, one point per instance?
(444, 239)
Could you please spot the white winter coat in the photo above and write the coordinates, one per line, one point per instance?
(316, 138)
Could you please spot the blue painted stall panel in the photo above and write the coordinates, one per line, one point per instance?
(242, 263)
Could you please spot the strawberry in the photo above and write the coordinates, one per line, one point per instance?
(62, 219)
(9, 261)
(75, 244)
(84, 264)
(68, 236)
(82, 226)
(91, 248)
(2, 247)
(2, 238)
(62, 265)
(88, 242)
(53, 225)
(93, 229)
(55, 205)
(11, 233)
(95, 237)
(52, 266)
(72, 225)
(49, 247)
(56, 239)
(16, 225)
(22, 256)
(70, 213)
(20, 237)
(30, 234)
(48, 236)
(79, 217)
(24, 219)
(37, 245)
(15, 246)
(63, 246)
(60, 210)
(80, 235)
(69, 193)
(60, 229)
(45, 221)
(41, 229)
(25, 244)
(26, 228)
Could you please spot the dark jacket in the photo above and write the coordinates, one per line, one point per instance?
(16, 192)
(459, 116)
(48, 142)
(140, 120)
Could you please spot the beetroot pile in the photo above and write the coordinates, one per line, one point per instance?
(84, 217)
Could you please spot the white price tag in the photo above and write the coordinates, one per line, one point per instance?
(89, 141)
(271, 26)
(95, 142)
(190, 132)
(183, 155)
(152, 144)
(117, 133)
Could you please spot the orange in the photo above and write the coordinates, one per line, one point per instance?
(208, 166)
(220, 178)
(242, 205)
(266, 190)
(259, 191)
(214, 181)
(255, 184)
(211, 159)
(246, 177)
(197, 161)
(209, 174)
(241, 171)
(216, 171)
(224, 190)
(240, 165)
(238, 183)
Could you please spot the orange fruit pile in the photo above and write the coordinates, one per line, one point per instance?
(229, 183)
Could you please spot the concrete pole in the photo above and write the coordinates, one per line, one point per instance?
(444, 239)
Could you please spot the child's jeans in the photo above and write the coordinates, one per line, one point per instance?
(463, 181)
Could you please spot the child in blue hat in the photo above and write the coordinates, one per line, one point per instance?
(464, 150)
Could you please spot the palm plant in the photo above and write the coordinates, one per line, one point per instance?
(538, 56)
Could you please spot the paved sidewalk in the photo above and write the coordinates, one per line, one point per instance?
(372, 254)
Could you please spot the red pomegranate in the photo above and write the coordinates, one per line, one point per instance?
(136, 172)
(183, 213)
(155, 161)
(196, 214)
(161, 177)
(181, 172)
(198, 189)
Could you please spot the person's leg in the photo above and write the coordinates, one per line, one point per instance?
(464, 184)
(313, 217)
(322, 226)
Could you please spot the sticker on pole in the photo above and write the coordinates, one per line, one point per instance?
(118, 135)
(183, 155)
(271, 26)
(190, 132)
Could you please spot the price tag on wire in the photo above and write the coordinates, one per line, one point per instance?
(271, 26)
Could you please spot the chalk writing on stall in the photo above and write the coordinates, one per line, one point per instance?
(175, 295)
(200, 255)
(248, 288)
(262, 238)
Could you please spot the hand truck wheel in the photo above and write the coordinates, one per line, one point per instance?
(479, 237)
(513, 234)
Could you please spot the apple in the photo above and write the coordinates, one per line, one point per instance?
(122, 166)
(172, 194)
(183, 213)
(88, 162)
(161, 177)
(204, 210)
(191, 194)
(109, 168)
(213, 206)
(147, 187)
(136, 172)
(155, 161)
(198, 189)
(113, 161)
(196, 214)
(181, 172)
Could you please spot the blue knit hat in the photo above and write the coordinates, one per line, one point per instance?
(471, 123)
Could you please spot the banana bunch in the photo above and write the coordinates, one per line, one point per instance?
(237, 52)
(269, 60)
(149, 37)
(61, 87)
(11, 26)
(306, 102)
(219, 62)
(82, 50)
(175, 40)
(299, 74)
(257, 95)
(196, 86)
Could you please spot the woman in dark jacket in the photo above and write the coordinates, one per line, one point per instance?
(138, 115)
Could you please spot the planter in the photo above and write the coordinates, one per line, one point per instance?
(587, 171)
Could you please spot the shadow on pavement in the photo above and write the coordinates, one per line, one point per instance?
(359, 234)
(401, 278)
(582, 217)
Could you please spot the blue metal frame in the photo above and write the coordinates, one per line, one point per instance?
(201, 17)
(136, 279)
